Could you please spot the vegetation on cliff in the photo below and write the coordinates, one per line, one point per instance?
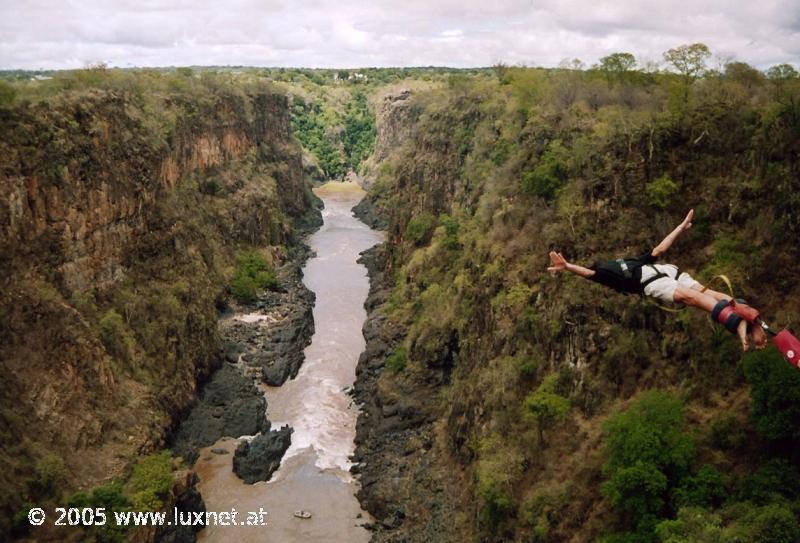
(133, 203)
(340, 138)
(569, 412)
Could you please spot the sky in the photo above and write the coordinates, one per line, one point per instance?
(65, 34)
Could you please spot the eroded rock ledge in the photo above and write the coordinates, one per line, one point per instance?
(229, 405)
(268, 341)
(263, 341)
(258, 459)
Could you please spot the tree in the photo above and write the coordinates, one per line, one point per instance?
(616, 66)
(359, 131)
(785, 79)
(744, 74)
(500, 70)
(774, 397)
(648, 454)
(782, 72)
(689, 60)
(575, 64)
(546, 406)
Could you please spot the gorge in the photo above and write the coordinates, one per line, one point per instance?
(157, 300)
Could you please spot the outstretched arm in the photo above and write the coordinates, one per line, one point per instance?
(662, 247)
(559, 264)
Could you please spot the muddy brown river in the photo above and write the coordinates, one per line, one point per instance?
(314, 473)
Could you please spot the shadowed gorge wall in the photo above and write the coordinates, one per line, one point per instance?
(120, 213)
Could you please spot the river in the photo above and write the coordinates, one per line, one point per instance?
(314, 474)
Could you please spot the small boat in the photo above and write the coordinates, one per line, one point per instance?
(302, 514)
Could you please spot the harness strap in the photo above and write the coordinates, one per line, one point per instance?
(724, 279)
(658, 275)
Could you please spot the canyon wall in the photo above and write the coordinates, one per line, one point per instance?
(120, 213)
(487, 384)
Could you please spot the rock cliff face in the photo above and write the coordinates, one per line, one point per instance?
(396, 114)
(119, 217)
(406, 483)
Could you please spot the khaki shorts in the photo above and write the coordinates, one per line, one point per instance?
(664, 288)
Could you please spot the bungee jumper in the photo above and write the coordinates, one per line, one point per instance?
(667, 283)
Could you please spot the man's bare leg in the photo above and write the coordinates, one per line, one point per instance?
(713, 293)
(706, 302)
(759, 336)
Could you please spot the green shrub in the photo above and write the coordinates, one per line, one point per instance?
(497, 503)
(49, 476)
(639, 490)
(548, 175)
(20, 525)
(692, 525)
(151, 480)
(528, 366)
(774, 397)
(451, 228)
(253, 273)
(419, 228)
(628, 537)
(545, 405)
(397, 360)
(661, 192)
(726, 432)
(115, 335)
(211, 187)
(541, 181)
(705, 489)
(502, 150)
(541, 506)
(111, 497)
(498, 466)
(777, 479)
(648, 454)
(244, 288)
(740, 522)
(773, 524)
(730, 256)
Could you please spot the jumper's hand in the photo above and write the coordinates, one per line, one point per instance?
(557, 263)
(687, 222)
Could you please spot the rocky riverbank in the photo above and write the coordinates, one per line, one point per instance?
(391, 430)
(229, 405)
(262, 342)
(267, 341)
(367, 213)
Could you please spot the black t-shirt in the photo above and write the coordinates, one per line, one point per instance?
(624, 274)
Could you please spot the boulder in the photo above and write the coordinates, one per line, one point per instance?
(258, 459)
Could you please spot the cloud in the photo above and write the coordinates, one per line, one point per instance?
(349, 33)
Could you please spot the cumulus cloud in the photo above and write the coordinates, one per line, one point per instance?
(350, 33)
